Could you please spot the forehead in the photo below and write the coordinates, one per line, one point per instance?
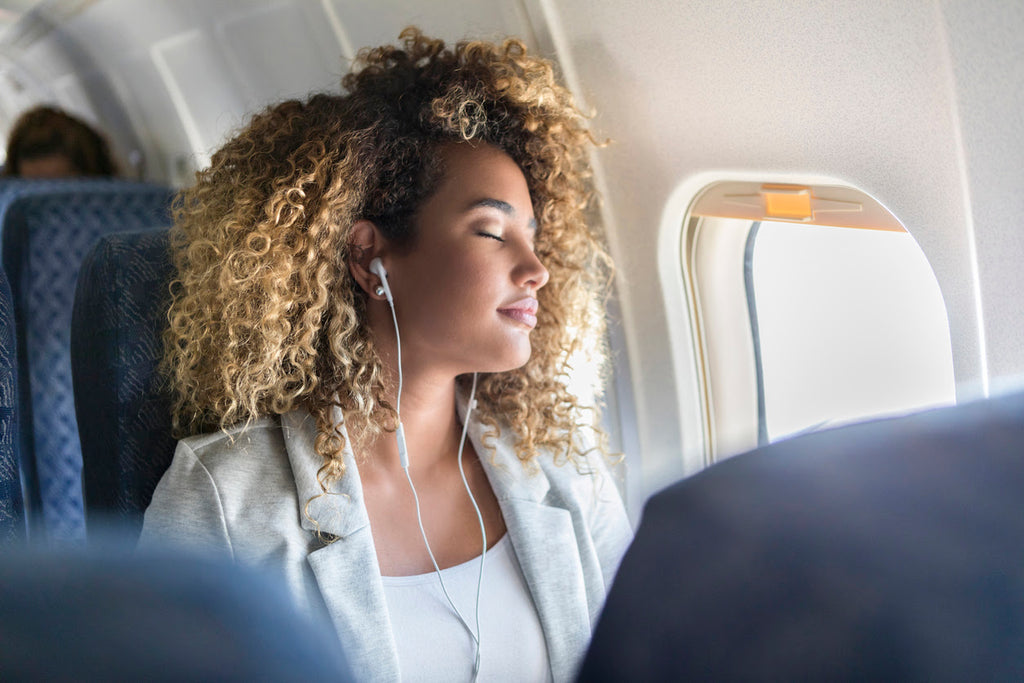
(478, 173)
(48, 166)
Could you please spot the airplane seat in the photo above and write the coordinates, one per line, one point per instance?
(124, 411)
(105, 613)
(887, 550)
(12, 512)
(47, 226)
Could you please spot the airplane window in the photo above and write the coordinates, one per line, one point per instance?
(848, 324)
(812, 306)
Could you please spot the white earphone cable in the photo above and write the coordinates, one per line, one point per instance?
(470, 407)
(404, 460)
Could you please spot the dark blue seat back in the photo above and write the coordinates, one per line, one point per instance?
(123, 409)
(889, 550)
(109, 615)
(12, 513)
(47, 228)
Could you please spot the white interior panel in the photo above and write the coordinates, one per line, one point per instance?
(986, 41)
(448, 19)
(208, 114)
(18, 91)
(270, 69)
(160, 129)
(71, 95)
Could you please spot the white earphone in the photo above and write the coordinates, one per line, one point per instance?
(377, 268)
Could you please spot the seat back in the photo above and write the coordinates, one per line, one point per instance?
(123, 409)
(886, 550)
(47, 228)
(12, 513)
(108, 614)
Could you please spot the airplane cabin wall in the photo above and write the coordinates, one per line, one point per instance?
(916, 103)
(986, 43)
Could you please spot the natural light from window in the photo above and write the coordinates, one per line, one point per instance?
(850, 324)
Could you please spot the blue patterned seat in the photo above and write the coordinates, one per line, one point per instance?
(123, 409)
(12, 514)
(47, 228)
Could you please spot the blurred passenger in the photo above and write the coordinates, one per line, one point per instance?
(452, 182)
(48, 143)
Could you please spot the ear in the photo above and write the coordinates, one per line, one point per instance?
(365, 243)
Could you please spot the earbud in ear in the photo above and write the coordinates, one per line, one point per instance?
(377, 268)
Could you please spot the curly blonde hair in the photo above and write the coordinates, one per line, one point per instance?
(265, 316)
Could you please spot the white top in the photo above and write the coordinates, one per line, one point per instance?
(433, 645)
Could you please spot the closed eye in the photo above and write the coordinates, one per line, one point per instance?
(483, 233)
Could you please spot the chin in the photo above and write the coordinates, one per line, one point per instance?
(511, 359)
(507, 368)
(522, 358)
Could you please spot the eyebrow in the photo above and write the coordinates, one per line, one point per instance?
(502, 206)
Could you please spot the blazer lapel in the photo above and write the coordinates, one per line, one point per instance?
(346, 569)
(349, 580)
(545, 545)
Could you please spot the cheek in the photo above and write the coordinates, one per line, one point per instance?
(445, 295)
(467, 295)
(465, 279)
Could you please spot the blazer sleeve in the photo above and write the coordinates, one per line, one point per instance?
(186, 509)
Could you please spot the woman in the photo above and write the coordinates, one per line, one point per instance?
(359, 276)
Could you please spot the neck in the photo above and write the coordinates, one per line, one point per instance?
(429, 420)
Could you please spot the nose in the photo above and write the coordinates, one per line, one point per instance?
(531, 272)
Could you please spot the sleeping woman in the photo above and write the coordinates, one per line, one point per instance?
(378, 294)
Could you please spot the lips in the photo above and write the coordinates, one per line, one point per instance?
(523, 311)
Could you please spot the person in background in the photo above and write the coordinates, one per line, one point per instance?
(46, 142)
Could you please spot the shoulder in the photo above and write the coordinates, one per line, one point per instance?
(587, 486)
(254, 449)
(588, 481)
(591, 478)
(219, 481)
(244, 465)
(585, 480)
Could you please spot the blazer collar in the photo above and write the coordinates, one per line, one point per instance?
(509, 477)
(346, 569)
(340, 511)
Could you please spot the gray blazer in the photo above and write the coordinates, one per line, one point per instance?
(253, 494)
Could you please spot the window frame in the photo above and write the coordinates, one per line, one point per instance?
(732, 399)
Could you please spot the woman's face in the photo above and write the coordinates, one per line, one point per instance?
(465, 292)
(50, 166)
